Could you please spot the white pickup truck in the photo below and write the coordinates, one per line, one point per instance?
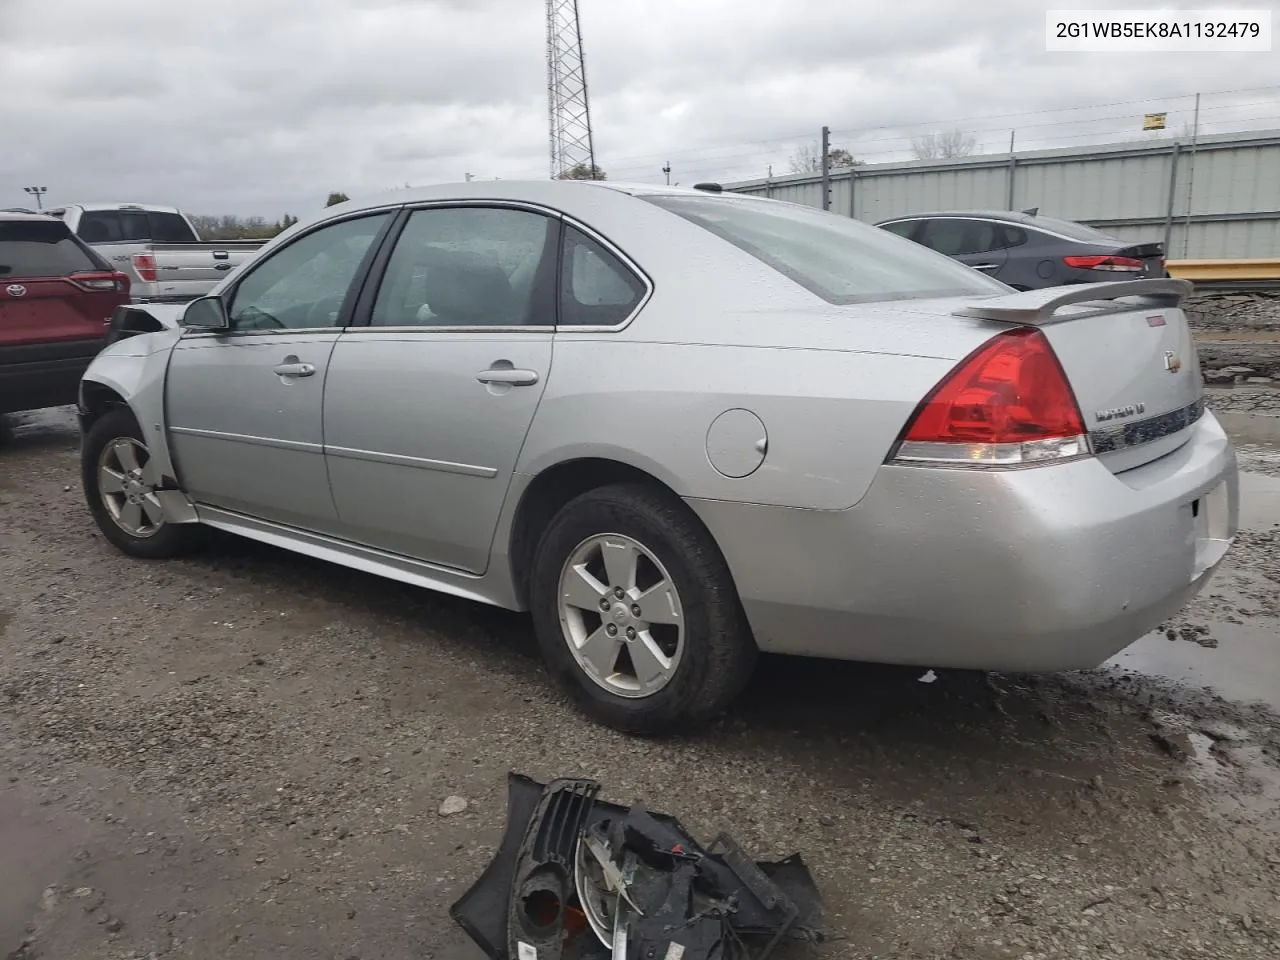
(157, 247)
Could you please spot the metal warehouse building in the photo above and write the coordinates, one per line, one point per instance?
(1216, 198)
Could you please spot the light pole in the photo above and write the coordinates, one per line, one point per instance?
(667, 170)
(38, 193)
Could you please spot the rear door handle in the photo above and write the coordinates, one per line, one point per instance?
(516, 378)
(294, 369)
(986, 266)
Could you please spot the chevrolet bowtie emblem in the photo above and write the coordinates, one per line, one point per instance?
(1171, 361)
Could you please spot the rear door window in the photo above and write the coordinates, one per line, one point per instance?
(903, 228)
(40, 248)
(955, 238)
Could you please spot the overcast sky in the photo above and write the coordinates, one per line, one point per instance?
(264, 106)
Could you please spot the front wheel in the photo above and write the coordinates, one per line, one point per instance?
(120, 490)
(636, 613)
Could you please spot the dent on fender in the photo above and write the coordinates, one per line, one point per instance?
(135, 371)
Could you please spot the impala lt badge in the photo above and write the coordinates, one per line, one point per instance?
(1119, 413)
(1171, 361)
(16, 290)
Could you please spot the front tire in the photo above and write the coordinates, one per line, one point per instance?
(120, 491)
(636, 613)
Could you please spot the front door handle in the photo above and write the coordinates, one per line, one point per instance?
(293, 368)
(516, 378)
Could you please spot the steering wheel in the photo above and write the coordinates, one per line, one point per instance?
(251, 318)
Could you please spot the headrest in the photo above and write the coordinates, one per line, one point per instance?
(466, 286)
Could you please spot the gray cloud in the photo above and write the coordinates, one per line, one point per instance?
(261, 107)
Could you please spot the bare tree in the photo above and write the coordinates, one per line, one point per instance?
(943, 145)
(808, 159)
(581, 171)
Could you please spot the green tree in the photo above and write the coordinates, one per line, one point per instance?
(582, 171)
(336, 198)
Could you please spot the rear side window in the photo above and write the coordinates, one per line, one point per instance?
(170, 228)
(596, 288)
(41, 248)
(114, 226)
(1014, 236)
(956, 237)
(836, 258)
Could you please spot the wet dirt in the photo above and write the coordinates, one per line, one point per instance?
(244, 754)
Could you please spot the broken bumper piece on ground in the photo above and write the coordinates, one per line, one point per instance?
(578, 878)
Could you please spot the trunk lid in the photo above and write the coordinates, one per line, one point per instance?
(41, 300)
(1127, 351)
(53, 310)
(1151, 255)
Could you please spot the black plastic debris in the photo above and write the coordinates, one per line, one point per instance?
(578, 878)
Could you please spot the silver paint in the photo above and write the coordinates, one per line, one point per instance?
(394, 458)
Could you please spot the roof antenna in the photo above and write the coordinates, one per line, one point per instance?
(1032, 212)
(709, 187)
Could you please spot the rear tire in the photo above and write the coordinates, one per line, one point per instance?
(652, 639)
(120, 494)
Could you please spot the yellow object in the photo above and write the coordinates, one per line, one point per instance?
(1207, 271)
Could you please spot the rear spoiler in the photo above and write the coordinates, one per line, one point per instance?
(1038, 307)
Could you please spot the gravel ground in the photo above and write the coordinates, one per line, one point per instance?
(1260, 401)
(245, 754)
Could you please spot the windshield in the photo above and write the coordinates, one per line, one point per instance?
(839, 259)
(1069, 228)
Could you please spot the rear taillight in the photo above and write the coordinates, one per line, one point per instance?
(1110, 264)
(1007, 404)
(144, 264)
(113, 282)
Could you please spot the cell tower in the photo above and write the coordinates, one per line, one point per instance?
(567, 105)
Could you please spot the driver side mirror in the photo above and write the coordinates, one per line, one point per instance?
(207, 313)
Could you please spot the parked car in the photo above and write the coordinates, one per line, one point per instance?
(157, 247)
(1029, 251)
(56, 298)
(765, 428)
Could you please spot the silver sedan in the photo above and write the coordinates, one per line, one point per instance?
(680, 427)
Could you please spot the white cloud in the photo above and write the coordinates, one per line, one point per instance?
(259, 107)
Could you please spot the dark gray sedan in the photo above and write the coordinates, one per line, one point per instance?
(1029, 251)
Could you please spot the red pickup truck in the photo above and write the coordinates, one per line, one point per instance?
(56, 299)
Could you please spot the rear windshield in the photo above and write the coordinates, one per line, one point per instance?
(41, 248)
(1073, 230)
(839, 259)
(170, 228)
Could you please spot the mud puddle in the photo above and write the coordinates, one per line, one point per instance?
(1257, 440)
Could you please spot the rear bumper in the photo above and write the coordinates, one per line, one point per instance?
(34, 376)
(1043, 569)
